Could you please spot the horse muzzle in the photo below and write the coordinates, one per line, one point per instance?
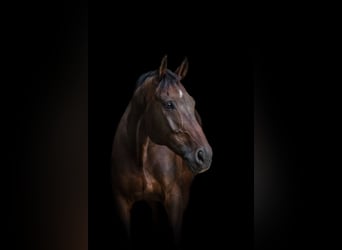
(200, 160)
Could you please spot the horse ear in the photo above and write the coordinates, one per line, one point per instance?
(163, 66)
(183, 68)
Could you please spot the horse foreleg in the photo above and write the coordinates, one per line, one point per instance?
(174, 208)
(124, 213)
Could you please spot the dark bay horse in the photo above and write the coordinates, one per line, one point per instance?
(159, 146)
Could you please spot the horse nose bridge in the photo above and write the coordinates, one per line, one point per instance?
(202, 142)
(197, 135)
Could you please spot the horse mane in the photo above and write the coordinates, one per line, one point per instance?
(168, 79)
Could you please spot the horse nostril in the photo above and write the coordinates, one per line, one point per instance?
(200, 156)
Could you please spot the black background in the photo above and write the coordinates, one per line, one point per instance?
(289, 69)
(297, 103)
(45, 100)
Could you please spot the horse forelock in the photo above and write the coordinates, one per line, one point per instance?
(168, 79)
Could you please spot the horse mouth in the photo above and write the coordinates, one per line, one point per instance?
(203, 170)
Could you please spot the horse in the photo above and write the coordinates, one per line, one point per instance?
(159, 147)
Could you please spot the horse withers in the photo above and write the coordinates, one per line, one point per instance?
(159, 146)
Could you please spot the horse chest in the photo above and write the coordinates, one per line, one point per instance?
(151, 185)
(157, 162)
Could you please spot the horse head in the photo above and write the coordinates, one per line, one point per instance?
(170, 117)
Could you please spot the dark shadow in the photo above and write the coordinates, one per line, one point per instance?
(149, 227)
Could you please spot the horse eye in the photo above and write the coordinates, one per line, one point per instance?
(169, 105)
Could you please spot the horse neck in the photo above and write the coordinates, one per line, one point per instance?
(135, 130)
